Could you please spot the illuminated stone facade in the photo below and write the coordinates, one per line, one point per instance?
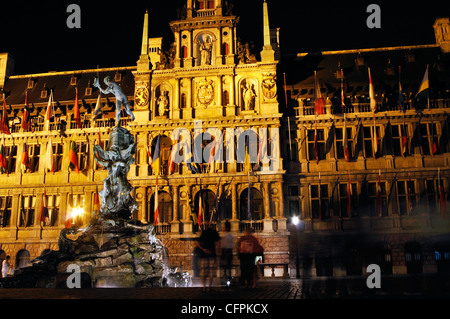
(208, 83)
(206, 78)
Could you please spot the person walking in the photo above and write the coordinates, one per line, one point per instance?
(248, 248)
(207, 257)
(6, 267)
(226, 244)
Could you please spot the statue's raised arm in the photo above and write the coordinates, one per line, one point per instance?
(121, 98)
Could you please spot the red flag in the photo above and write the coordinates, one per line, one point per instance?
(76, 110)
(318, 100)
(96, 208)
(50, 107)
(316, 150)
(349, 193)
(404, 140)
(73, 157)
(200, 209)
(4, 121)
(156, 211)
(346, 150)
(3, 163)
(171, 164)
(373, 102)
(44, 209)
(26, 118)
(379, 203)
(25, 156)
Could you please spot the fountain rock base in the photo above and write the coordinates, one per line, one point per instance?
(121, 253)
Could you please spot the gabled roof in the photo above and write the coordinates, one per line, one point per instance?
(384, 65)
(60, 82)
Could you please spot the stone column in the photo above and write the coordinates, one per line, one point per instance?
(175, 199)
(268, 221)
(281, 218)
(234, 220)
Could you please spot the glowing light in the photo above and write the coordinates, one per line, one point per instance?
(295, 220)
(77, 212)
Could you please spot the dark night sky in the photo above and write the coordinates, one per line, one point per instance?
(36, 35)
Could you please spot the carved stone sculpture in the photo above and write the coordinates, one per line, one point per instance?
(121, 98)
(117, 158)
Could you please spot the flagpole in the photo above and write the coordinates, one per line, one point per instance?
(289, 120)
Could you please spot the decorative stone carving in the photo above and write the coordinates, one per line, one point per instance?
(205, 92)
(269, 86)
(248, 95)
(142, 94)
(117, 158)
(206, 46)
(163, 103)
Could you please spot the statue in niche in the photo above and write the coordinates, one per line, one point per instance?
(121, 98)
(206, 50)
(249, 95)
(163, 103)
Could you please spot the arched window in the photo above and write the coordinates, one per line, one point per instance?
(256, 205)
(165, 147)
(208, 203)
(165, 206)
(22, 259)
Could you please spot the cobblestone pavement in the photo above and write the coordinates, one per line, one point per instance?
(266, 289)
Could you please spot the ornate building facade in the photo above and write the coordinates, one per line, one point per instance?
(357, 201)
(208, 85)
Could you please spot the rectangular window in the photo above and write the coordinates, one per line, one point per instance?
(319, 201)
(340, 142)
(27, 210)
(426, 131)
(345, 210)
(11, 155)
(378, 205)
(5, 210)
(58, 154)
(53, 203)
(34, 154)
(320, 145)
(432, 194)
(398, 132)
(82, 149)
(406, 196)
(368, 141)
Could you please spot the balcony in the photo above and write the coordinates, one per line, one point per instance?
(362, 107)
(206, 13)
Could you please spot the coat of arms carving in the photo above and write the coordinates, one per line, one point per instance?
(142, 94)
(269, 86)
(205, 92)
